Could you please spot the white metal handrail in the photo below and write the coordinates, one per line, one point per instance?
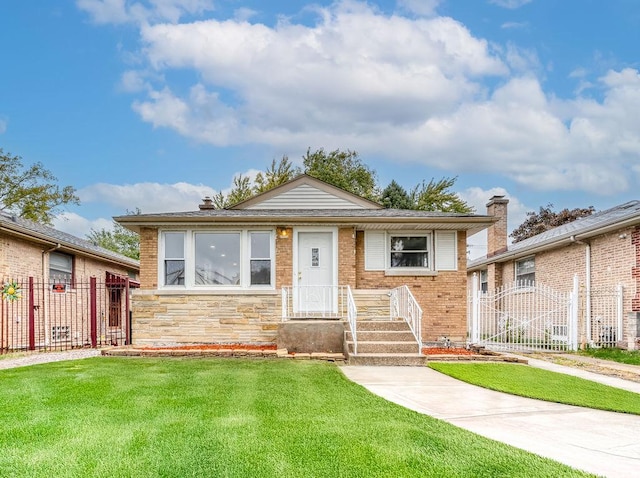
(405, 306)
(352, 317)
(314, 301)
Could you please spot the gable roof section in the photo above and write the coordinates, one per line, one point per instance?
(363, 219)
(306, 192)
(39, 233)
(617, 217)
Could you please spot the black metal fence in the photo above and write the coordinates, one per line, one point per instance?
(43, 315)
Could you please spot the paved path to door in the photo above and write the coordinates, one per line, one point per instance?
(603, 443)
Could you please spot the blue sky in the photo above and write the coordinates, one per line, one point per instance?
(154, 104)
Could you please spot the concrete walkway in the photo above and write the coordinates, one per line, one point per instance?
(599, 442)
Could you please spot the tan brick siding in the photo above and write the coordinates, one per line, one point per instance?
(148, 258)
(20, 258)
(284, 257)
(442, 297)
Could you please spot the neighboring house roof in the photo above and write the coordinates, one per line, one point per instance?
(624, 215)
(35, 232)
(306, 192)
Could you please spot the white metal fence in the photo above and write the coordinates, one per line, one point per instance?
(524, 316)
(521, 317)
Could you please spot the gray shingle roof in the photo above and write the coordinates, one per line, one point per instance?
(293, 213)
(18, 224)
(580, 228)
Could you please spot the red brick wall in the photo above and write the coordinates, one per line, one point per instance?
(441, 296)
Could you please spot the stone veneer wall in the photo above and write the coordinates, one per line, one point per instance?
(172, 319)
(441, 296)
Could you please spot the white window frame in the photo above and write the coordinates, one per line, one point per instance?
(189, 258)
(483, 279)
(517, 276)
(409, 270)
(71, 279)
(162, 258)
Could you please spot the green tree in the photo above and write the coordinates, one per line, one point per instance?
(242, 190)
(395, 196)
(31, 192)
(119, 239)
(437, 196)
(343, 169)
(546, 218)
(275, 175)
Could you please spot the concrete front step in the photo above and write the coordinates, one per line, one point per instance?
(406, 359)
(385, 347)
(383, 335)
(381, 325)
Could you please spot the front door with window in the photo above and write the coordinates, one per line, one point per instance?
(315, 274)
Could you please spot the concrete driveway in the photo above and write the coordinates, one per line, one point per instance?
(603, 443)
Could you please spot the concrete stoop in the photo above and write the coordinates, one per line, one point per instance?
(391, 342)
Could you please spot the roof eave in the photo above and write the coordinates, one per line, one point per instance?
(568, 238)
(46, 240)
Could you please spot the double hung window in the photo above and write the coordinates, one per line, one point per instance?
(526, 271)
(409, 251)
(61, 268)
(174, 258)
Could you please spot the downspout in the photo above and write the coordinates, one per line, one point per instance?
(45, 312)
(54, 248)
(587, 284)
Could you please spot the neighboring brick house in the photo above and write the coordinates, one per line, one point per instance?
(602, 249)
(52, 269)
(231, 275)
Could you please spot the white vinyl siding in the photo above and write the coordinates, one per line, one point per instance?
(305, 197)
(446, 251)
(374, 251)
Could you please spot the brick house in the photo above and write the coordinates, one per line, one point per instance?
(603, 250)
(305, 249)
(52, 270)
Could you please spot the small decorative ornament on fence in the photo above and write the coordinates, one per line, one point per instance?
(11, 291)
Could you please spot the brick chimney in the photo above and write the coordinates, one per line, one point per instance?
(497, 234)
(207, 203)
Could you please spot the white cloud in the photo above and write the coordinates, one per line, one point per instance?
(425, 8)
(418, 89)
(3, 124)
(126, 11)
(79, 226)
(148, 197)
(478, 198)
(510, 4)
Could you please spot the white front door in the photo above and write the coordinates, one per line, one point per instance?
(315, 275)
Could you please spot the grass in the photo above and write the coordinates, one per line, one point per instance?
(112, 417)
(543, 385)
(631, 357)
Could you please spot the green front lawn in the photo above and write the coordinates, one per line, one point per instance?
(543, 385)
(116, 417)
(631, 357)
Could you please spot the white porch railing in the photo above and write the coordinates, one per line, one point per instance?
(405, 306)
(352, 317)
(314, 302)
